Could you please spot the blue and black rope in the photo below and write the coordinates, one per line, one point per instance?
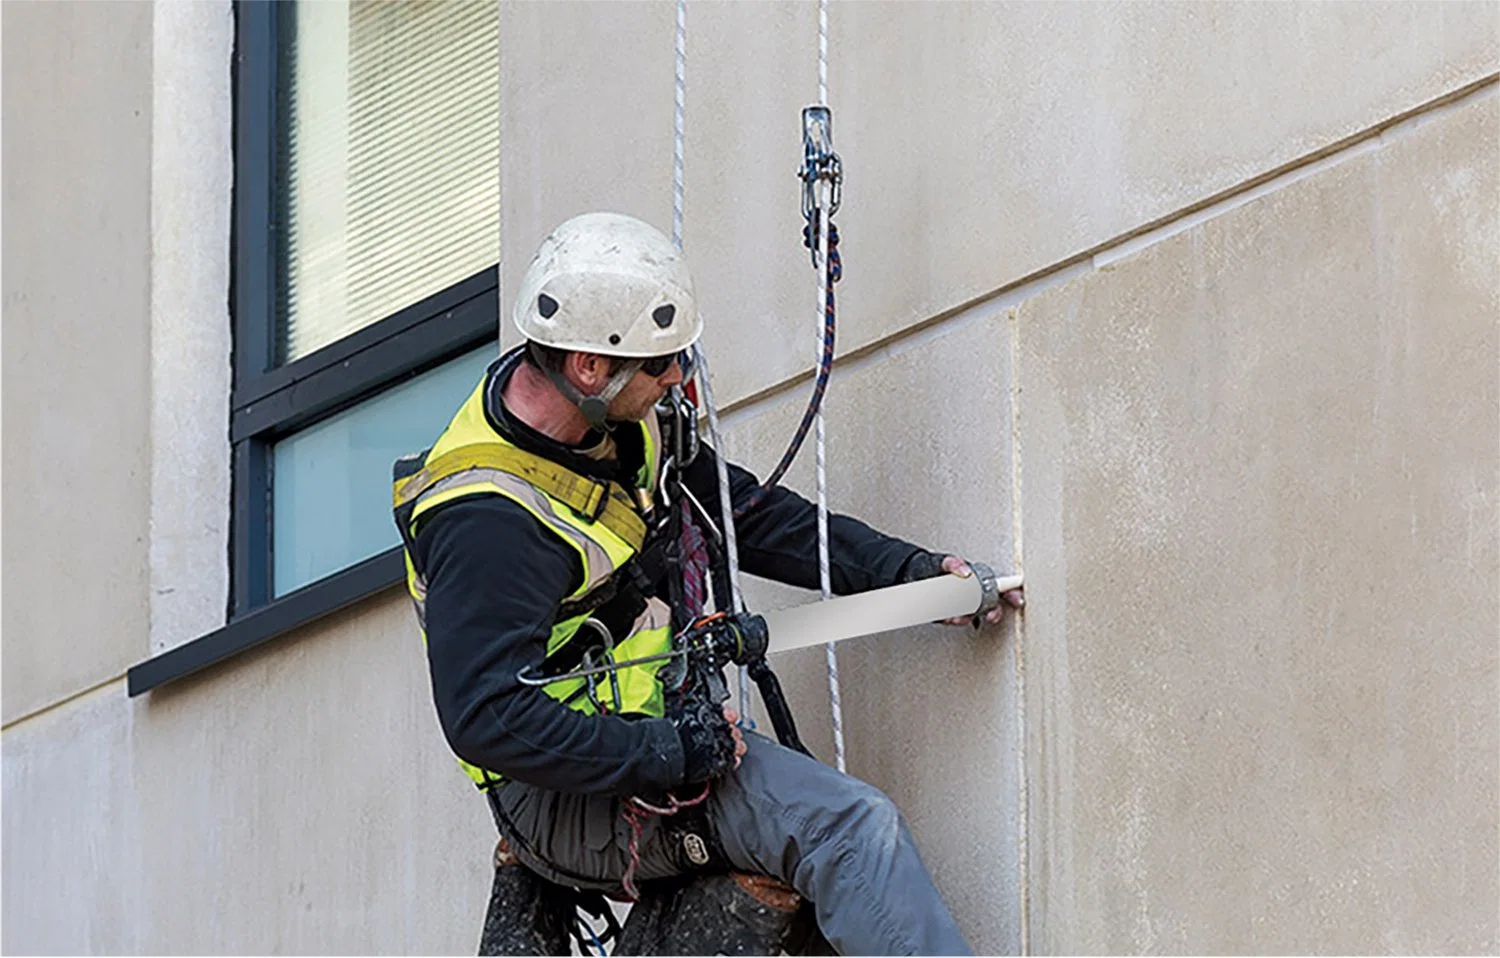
(835, 268)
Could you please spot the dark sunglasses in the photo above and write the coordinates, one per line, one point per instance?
(658, 365)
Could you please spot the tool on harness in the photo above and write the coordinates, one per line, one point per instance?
(714, 640)
(742, 639)
(705, 648)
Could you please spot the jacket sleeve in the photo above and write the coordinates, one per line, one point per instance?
(778, 539)
(495, 578)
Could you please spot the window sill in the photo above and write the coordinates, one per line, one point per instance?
(288, 613)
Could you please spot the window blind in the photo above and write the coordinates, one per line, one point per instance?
(390, 161)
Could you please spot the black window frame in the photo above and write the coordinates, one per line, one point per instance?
(269, 402)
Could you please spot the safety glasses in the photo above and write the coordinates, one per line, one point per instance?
(658, 365)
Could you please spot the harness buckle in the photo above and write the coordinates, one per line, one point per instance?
(594, 503)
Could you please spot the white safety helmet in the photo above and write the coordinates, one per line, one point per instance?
(610, 284)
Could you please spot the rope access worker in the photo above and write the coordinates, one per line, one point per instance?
(526, 527)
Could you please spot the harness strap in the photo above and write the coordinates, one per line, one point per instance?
(607, 503)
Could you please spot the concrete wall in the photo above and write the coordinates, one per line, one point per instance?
(983, 142)
(192, 167)
(1259, 493)
(1246, 455)
(77, 368)
(298, 800)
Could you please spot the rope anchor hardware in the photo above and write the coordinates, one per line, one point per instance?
(819, 162)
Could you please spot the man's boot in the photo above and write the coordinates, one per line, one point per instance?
(528, 915)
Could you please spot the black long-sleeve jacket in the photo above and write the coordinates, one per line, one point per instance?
(495, 579)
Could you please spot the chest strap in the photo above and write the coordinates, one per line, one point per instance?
(607, 503)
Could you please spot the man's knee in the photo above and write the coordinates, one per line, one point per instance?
(864, 813)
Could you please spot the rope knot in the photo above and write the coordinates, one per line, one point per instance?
(810, 241)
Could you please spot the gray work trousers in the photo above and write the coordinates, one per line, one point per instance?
(840, 842)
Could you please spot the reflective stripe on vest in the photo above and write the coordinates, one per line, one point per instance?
(595, 519)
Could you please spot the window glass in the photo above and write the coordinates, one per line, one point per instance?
(331, 482)
(390, 165)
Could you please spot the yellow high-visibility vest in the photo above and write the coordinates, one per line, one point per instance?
(598, 520)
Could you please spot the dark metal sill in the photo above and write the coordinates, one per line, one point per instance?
(286, 614)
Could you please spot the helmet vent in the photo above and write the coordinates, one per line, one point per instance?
(614, 339)
(546, 305)
(664, 314)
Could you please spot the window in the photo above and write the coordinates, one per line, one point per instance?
(366, 238)
(390, 162)
(330, 482)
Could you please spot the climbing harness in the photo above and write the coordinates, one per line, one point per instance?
(634, 810)
(708, 645)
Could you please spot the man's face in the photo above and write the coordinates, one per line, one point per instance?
(634, 402)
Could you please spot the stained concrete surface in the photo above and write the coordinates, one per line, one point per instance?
(1259, 474)
(298, 800)
(981, 141)
(77, 265)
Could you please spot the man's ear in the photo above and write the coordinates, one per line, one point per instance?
(588, 371)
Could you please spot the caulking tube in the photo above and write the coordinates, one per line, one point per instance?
(881, 610)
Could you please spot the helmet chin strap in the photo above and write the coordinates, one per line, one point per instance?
(594, 408)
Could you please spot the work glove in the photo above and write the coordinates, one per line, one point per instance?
(923, 565)
(708, 745)
(930, 565)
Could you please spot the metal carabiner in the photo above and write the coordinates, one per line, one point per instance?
(609, 651)
(682, 416)
(525, 677)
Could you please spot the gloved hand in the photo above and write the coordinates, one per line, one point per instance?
(711, 745)
(922, 565)
(930, 565)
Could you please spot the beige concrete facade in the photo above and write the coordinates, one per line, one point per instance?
(1139, 297)
(77, 273)
(1259, 496)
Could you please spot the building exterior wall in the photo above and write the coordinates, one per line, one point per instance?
(191, 168)
(77, 246)
(1243, 443)
(1258, 467)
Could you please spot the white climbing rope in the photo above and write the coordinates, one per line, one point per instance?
(823, 52)
(731, 548)
(835, 699)
(726, 508)
(679, 98)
